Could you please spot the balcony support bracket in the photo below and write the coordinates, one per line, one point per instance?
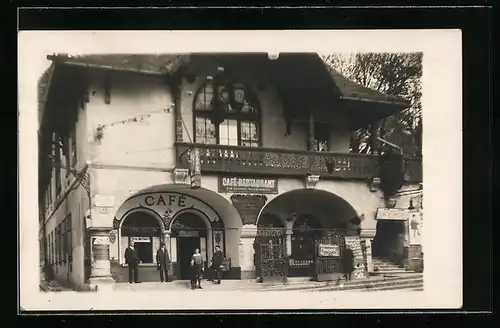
(311, 181)
(181, 176)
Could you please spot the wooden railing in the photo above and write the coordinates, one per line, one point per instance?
(281, 162)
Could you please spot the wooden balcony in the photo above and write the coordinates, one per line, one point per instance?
(281, 162)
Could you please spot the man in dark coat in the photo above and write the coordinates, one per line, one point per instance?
(132, 259)
(348, 263)
(217, 263)
(163, 262)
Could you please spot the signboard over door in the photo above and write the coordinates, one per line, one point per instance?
(399, 214)
(236, 184)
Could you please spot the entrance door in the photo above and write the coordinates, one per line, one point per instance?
(389, 240)
(186, 248)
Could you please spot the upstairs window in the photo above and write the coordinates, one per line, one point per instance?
(321, 136)
(240, 128)
(57, 163)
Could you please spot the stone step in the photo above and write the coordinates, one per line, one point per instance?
(409, 287)
(415, 283)
(380, 281)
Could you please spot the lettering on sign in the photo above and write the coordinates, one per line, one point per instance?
(169, 200)
(248, 185)
(399, 214)
(101, 252)
(188, 233)
(326, 250)
(300, 263)
(248, 206)
(141, 239)
(354, 243)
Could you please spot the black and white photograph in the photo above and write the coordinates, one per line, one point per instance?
(292, 172)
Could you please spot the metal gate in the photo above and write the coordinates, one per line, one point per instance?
(328, 257)
(270, 254)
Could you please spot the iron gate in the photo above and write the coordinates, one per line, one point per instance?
(270, 255)
(328, 257)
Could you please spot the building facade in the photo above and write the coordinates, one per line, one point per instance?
(204, 150)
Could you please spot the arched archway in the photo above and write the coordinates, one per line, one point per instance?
(308, 216)
(173, 204)
(143, 229)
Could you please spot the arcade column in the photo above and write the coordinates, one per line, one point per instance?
(246, 251)
(367, 236)
(100, 274)
(288, 244)
(166, 239)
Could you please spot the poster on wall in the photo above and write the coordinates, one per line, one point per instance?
(326, 250)
(415, 229)
(354, 243)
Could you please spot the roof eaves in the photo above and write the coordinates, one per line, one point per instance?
(402, 103)
(65, 61)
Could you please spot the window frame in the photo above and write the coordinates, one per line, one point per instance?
(57, 165)
(239, 116)
(317, 128)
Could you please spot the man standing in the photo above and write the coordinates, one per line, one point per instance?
(217, 263)
(132, 259)
(196, 269)
(163, 262)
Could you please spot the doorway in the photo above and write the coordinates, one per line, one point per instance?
(186, 248)
(390, 240)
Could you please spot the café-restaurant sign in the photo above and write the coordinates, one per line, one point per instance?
(398, 214)
(248, 185)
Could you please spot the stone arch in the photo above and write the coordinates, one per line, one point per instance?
(321, 204)
(168, 201)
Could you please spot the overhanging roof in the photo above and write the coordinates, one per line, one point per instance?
(362, 105)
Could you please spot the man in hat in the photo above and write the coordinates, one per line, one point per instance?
(217, 259)
(163, 262)
(132, 259)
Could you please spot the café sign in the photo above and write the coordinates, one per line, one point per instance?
(235, 184)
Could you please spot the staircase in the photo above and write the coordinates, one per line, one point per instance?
(386, 266)
(408, 281)
(53, 286)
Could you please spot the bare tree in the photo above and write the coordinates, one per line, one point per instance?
(396, 74)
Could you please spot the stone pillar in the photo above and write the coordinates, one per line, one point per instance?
(246, 251)
(100, 274)
(166, 240)
(288, 245)
(367, 236)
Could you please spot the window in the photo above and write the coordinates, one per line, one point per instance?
(73, 146)
(321, 136)
(52, 251)
(49, 194)
(69, 239)
(64, 245)
(241, 127)
(59, 244)
(57, 165)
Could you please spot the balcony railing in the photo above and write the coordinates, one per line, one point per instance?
(281, 162)
(245, 160)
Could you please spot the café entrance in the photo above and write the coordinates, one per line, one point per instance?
(189, 232)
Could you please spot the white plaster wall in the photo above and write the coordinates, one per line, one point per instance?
(75, 203)
(145, 142)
